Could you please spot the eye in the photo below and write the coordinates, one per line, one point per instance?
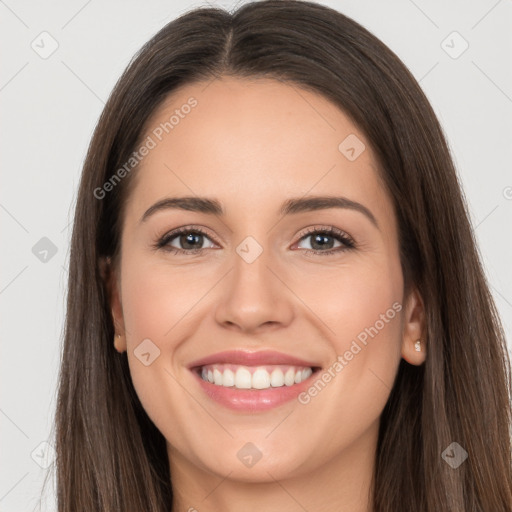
(187, 239)
(323, 240)
(190, 240)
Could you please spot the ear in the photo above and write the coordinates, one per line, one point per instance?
(112, 281)
(414, 330)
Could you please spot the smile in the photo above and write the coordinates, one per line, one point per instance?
(252, 381)
(250, 377)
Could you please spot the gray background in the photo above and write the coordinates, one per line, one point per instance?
(49, 107)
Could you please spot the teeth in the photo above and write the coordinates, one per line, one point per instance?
(289, 377)
(277, 379)
(217, 377)
(228, 378)
(249, 377)
(243, 378)
(260, 379)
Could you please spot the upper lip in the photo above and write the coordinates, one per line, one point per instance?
(248, 358)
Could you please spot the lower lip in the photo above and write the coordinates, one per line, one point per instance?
(253, 400)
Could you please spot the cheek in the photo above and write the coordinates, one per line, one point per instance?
(352, 299)
(161, 303)
(157, 302)
(156, 297)
(362, 308)
(154, 301)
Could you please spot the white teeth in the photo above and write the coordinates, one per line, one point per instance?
(289, 377)
(217, 377)
(260, 379)
(277, 379)
(241, 377)
(228, 379)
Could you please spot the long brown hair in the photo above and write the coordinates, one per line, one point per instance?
(110, 456)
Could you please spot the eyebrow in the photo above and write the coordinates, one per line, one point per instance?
(212, 206)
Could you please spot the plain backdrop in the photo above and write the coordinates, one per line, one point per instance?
(61, 59)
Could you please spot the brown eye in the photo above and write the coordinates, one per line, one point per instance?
(323, 241)
(183, 240)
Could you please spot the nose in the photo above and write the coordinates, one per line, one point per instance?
(254, 296)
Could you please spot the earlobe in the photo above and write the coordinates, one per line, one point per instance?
(112, 286)
(120, 343)
(414, 345)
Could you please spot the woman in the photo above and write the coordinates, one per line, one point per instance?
(212, 361)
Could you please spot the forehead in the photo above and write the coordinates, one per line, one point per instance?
(253, 142)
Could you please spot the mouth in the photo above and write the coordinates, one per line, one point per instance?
(253, 381)
(253, 377)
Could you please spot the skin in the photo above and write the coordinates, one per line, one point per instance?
(253, 144)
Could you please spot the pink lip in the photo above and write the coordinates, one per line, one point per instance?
(245, 358)
(252, 400)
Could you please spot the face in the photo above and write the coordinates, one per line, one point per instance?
(294, 308)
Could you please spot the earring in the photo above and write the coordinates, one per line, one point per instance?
(417, 346)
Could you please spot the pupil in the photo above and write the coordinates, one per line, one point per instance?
(189, 238)
(322, 244)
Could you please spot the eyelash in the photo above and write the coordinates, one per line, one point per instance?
(331, 231)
